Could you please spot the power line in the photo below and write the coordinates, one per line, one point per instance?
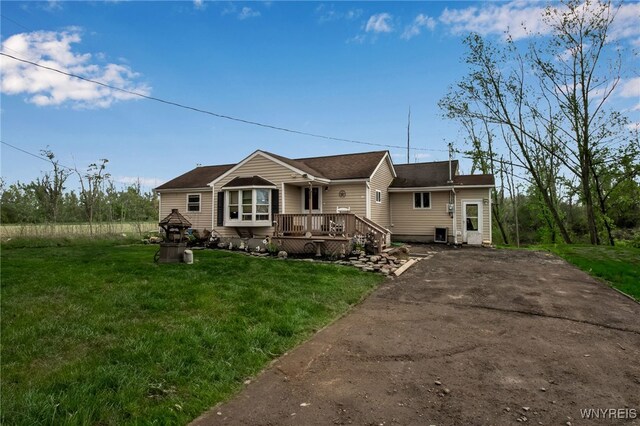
(40, 157)
(202, 111)
(15, 22)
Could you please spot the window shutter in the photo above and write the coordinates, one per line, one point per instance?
(220, 208)
(275, 201)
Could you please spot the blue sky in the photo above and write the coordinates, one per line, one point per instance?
(348, 69)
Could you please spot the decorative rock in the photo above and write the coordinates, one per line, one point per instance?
(283, 254)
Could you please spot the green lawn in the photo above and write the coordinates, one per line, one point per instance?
(96, 333)
(620, 266)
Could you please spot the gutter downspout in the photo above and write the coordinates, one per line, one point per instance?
(453, 191)
(214, 209)
(310, 213)
(453, 216)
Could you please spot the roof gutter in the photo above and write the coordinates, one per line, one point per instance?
(205, 188)
(438, 188)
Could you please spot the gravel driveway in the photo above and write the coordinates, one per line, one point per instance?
(470, 336)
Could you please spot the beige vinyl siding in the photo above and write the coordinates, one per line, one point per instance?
(480, 194)
(409, 221)
(355, 198)
(381, 180)
(178, 200)
(266, 169)
(292, 199)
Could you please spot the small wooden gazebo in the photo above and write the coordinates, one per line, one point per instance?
(175, 227)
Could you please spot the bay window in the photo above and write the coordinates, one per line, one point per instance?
(248, 207)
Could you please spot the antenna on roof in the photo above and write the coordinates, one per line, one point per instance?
(408, 134)
(450, 181)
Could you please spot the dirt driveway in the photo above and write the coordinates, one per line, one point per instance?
(468, 337)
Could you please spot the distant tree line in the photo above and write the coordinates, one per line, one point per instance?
(47, 199)
(539, 116)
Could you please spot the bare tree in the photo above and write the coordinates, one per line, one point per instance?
(49, 189)
(91, 187)
(496, 93)
(578, 72)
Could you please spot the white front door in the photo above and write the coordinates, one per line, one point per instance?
(472, 222)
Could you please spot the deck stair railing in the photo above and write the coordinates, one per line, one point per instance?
(345, 225)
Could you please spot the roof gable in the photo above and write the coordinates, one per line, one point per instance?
(248, 181)
(290, 164)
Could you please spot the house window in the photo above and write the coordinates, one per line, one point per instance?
(193, 202)
(249, 205)
(421, 200)
(315, 198)
(378, 196)
(234, 211)
(262, 204)
(471, 212)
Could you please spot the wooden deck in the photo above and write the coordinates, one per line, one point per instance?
(327, 231)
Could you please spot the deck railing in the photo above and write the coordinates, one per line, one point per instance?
(329, 225)
(298, 224)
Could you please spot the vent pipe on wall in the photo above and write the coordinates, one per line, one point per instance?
(450, 181)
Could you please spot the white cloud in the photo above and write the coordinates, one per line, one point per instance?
(52, 5)
(329, 14)
(357, 39)
(421, 21)
(199, 4)
(379, 23)
(523, 18)
(133, 180)
(247, 12)
(229, 9)
(44, 87)
(516, 17)
(627, 22)
(630, 88)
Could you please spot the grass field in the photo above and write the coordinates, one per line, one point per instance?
(96, 333)
(50, 230)
(620, 266)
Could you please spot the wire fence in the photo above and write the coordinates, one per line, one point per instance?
(50, 230)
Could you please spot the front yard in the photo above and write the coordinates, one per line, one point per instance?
(96, 333)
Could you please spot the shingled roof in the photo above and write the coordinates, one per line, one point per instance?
(345, 166)
(434, 174)
(422, 175)
(199, 177)
(462, 180)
